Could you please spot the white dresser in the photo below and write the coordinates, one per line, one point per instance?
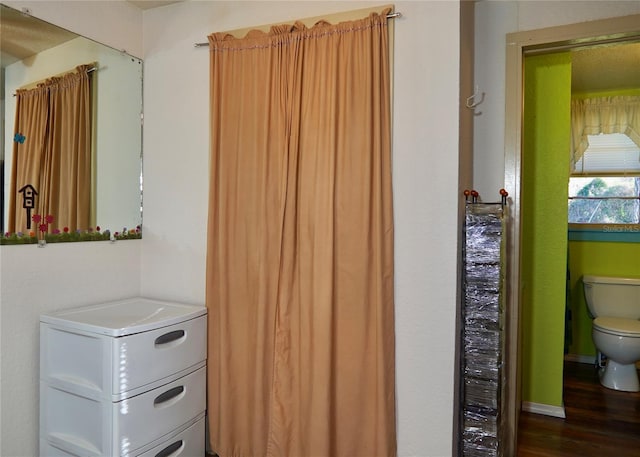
(124, 378)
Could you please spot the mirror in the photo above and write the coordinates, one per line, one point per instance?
(34, 51)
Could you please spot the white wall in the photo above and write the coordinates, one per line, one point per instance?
(494, 19)
(425, 162)
(34, 280)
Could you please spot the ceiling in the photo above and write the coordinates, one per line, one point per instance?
(19, 39)
(594, 69)
(605, 68)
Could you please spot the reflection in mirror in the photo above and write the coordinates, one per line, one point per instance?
(36, 53)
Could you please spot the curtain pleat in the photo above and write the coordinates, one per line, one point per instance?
(300, 251)
(68, 190)
(55, 157)
(31, 122)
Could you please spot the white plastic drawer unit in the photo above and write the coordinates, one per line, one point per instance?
(122, 378)
(125, 346)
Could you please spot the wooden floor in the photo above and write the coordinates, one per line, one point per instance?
(600, 422)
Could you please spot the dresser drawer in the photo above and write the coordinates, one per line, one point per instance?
(102, 367)
(188, 443)
(146, 417)
(146, 357)
(83, 426)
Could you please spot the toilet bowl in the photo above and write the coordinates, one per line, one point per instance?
(614, 303)
(619, 339)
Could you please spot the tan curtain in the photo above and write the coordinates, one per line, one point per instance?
(300, 252)
(593, 116)
(55, 157)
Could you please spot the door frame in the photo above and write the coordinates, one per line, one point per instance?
(519, 44)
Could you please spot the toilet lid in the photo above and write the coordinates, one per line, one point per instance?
(618, 325)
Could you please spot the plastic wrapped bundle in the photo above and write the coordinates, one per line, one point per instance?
(482, 364)
(478, 337)
(481, 419)
(480, 436)
(480, 445)
(482, 302)
(481, 392)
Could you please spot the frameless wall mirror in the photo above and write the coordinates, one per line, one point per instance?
(34, 53)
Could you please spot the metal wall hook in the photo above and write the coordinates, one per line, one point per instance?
(473, 100)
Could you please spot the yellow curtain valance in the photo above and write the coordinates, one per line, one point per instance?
(593, 116)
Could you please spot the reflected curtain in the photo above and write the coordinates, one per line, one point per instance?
(300, 243)
(55, 157)
(32, 113)
(593, 116)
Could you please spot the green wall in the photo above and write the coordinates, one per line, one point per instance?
(599, 258)
(545, 171)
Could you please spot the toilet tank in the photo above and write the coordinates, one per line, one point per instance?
(612, 296)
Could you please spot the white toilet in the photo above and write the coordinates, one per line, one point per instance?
(614, 303)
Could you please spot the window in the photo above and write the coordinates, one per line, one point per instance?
(604, 200)
(604, 187)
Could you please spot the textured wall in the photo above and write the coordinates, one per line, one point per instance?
(545, 166)
(37, 280)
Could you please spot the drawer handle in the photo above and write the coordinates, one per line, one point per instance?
(173, 450)
(172, 394)
(169, 337)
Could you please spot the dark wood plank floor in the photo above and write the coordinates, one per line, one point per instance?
(600, 422)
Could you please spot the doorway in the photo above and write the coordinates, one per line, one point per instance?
(520, 44)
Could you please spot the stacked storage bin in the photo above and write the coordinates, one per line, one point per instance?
(482, 354)
(124, 378)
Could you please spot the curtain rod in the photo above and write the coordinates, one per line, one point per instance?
(34, 84)
(389, 16)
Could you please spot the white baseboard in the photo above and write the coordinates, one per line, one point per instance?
(547, 410)
(590, 359)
